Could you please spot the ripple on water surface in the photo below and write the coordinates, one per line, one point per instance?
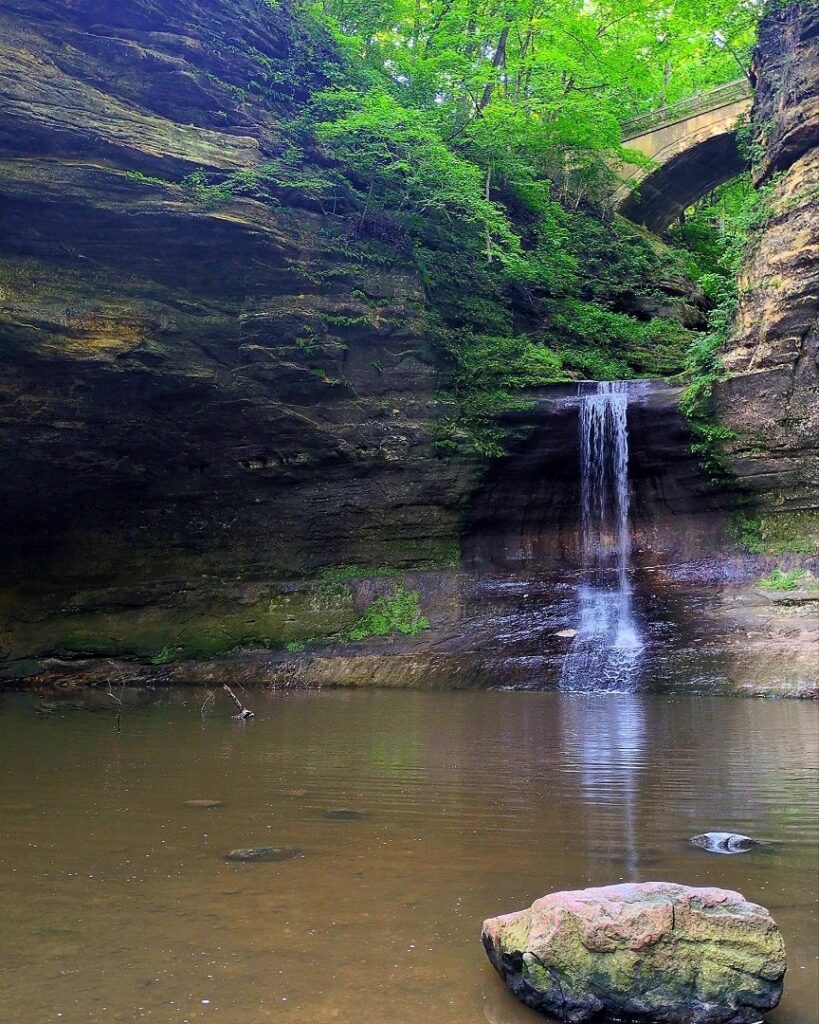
(119, 905)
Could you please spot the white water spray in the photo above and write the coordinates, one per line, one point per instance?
(606, 650)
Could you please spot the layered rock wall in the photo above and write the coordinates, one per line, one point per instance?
(772, 397)
(204, 396)
(194, 384)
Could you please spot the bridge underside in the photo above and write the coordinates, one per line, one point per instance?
(665, 193)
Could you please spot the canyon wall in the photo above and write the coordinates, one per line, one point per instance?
(772, 397)
(193, 384)
(197, 384)
(207, 396)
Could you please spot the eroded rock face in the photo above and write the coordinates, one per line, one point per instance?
(772, 398)
(194, 386)
(654, 951)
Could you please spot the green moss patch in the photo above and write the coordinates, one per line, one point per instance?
(777, 533)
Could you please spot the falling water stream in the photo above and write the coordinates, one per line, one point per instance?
(605, 654)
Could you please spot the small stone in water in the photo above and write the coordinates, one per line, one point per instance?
(568, 633)
(204, 803)
(724, 842)
(344, 814)
(264, 854)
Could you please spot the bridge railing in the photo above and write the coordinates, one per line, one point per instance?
(683, 109)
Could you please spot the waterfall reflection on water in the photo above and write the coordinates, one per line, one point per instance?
(606, 652)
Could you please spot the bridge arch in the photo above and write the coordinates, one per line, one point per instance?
(693, 147)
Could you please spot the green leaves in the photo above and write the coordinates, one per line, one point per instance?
(397, 612)
(403, 166)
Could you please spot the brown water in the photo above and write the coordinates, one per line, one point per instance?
(117, 905)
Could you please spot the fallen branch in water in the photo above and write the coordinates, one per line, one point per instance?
(244, 713)
(114, 696)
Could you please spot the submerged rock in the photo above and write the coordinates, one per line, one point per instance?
(344, 814)
(724, 842)
(654, 951)
(264, 854)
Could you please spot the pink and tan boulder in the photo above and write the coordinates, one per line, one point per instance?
(654, 951)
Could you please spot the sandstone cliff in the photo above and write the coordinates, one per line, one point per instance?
(197, 385)
(180, 394)
(208, 399)
(772, 397)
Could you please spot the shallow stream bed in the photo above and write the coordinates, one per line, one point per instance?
(118, 905)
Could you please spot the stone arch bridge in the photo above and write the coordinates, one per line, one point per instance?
(693, 148)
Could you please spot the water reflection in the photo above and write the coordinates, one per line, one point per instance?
(611, 735)
(116, 895)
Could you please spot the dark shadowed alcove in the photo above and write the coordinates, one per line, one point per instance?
(527, 510)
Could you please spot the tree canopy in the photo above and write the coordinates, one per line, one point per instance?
(479, 139)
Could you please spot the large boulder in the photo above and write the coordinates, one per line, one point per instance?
(654, 951)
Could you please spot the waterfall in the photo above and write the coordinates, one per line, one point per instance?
(606, 651)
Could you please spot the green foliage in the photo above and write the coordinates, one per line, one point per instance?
(292, 180)
(570, 71)
(716, 235)
(296, 647)
(163, 657)
(449, 558)
(778, 533)
(696, 404)
(750, 140)
(398, 612)
(147, 179)
(473, 141)
(620, 346)
(198, 186)
(781, 579)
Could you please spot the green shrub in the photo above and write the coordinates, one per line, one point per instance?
(398, 612)
(780, 579)
(779, 533)
(164, 656)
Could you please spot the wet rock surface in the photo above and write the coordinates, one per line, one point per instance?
(344, 814)
(705, 626)
(654, 951)
(263, 854)
(724, 842)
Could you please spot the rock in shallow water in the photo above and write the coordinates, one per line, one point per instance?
(654, 951)
(263, 854)
(344, 814)
(724, 842)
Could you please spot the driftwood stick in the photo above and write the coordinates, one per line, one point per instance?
(244, 712)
